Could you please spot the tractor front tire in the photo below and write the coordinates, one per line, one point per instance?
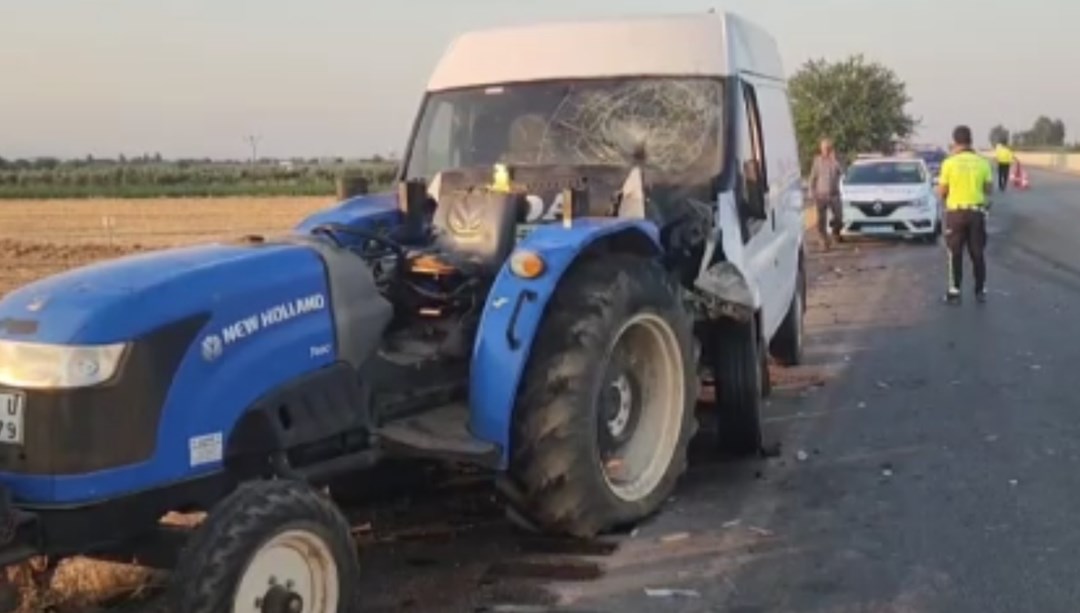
(605, 412)
(270, 546)
(740, 373)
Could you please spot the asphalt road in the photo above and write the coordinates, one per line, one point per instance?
(942, 453)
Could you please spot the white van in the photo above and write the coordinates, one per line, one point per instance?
(680, 127)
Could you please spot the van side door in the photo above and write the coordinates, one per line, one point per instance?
(785, 185)
(756, 197)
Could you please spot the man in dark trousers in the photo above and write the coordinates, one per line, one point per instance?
(1005, 159)
(965, 185)
(824, 182)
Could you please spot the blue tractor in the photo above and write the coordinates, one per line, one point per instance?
(562, 263)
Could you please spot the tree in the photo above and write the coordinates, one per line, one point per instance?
(999, 134)
(1045, 133)
(857, 103)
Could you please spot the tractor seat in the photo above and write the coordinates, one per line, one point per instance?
(475, 231)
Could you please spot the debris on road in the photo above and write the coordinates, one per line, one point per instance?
(731, 524)
(674, 537)
(761, 531)
(671, 593)
(802, 456)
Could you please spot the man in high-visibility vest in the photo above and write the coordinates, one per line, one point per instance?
(965, 185)
(1005, 158)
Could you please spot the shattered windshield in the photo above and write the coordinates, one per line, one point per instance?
(677, 122)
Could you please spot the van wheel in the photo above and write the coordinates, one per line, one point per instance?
(740, 374)
(605, 412)
(787, 345)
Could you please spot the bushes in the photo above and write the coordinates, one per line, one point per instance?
(185, 178)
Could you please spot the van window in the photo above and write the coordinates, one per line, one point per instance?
(757, 137)
(439, 125)
(781, 163)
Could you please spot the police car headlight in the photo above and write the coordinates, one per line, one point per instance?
(43, 366)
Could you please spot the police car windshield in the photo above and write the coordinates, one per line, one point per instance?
(677, 121)
(885, 173)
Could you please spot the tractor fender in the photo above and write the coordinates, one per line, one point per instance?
(515, 308)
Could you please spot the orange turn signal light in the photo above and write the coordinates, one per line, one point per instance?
(527, 264)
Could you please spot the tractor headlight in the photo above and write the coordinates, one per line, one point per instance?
(42, 366)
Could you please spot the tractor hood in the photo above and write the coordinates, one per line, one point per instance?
(122, 299)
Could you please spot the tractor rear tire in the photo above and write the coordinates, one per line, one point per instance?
(268, 541)
(787, 345)
(612, 372)
(740, 373)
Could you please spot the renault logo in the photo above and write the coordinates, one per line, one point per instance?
(878, 207)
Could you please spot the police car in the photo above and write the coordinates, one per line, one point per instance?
(934, 158)
(890, 196)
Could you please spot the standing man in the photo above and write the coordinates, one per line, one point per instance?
(1005, 158)
(965, 184)
(825, 174)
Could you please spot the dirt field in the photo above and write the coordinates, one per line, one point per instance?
(42, 237)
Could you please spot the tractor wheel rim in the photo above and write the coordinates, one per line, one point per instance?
(293, 572)
(622, 407)
(637, 441)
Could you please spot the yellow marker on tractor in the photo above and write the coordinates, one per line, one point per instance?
(501, 179)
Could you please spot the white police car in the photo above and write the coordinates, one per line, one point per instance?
(890, 196)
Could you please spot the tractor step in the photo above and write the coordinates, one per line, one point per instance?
(439, 433)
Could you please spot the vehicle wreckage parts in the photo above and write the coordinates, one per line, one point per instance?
(606, 410)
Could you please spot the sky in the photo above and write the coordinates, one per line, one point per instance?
(192, 78)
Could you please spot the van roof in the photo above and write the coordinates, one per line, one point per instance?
(701, 44)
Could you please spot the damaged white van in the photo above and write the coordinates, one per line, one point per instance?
(639, 171)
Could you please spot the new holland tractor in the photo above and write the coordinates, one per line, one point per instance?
(577, 240)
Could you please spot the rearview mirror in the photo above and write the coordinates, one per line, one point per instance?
(753, 190)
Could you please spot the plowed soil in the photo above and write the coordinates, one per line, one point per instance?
(42, 237)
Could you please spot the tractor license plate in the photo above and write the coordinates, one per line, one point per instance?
(12, 409)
